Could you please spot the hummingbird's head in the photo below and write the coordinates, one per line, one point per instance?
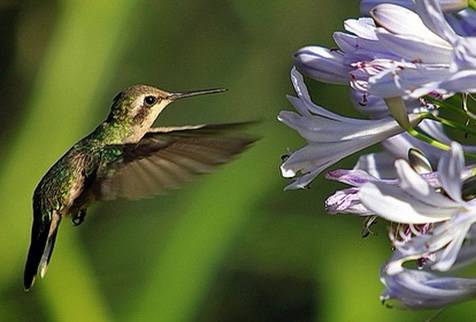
(138, 106)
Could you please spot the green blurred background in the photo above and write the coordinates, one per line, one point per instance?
(232, 246)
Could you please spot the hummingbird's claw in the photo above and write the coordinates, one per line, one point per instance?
(79, 217)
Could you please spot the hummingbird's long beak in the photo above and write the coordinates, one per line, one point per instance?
(180, 95)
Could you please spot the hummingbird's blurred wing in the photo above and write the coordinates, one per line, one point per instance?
(166, 158)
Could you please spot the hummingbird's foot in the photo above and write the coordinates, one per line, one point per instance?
(79, 217)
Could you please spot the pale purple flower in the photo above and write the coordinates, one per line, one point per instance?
(414, 201)
(331, 137)
(432, 224)
(410, 54)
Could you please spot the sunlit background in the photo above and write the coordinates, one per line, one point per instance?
(232, 246)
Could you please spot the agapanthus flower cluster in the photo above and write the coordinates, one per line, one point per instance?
(411, 69)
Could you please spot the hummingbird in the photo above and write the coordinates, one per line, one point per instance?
(125, 157)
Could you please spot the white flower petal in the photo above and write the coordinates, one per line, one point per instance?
(362, 27)
(299, 85)
(379, 165)
(403, 81)
(346, 42)
(318, 155)
(415, 49)
(432, 16)
(420, 289)
(402, 21)
(306, 107)
(365, 49)
(315, 157)
(463, 81)
(369, 104)
(441, 244)
(303, 181)
(450, 253)
(399, 145)
(304, 104)
(321, 129)
(413, 184)
(322, 64)
(391, 203)
(450, 168)
(467, 253)
(464, 54)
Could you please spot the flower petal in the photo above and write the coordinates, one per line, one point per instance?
(404, 80)
(420, 289)
(362, 27)
(415, 49)
(402, 21)
(432, 16)
(413, 184)
(450, 253)
(450, 168)
(442, 243)
(354, 177)
(393, 204)
(379, 165)
(304, 104)
(367, 5)
(463, 81)
(346, 202)
(322, 64)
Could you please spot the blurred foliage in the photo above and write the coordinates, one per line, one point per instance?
(230, 247)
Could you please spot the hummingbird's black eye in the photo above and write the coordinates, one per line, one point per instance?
(150, 100)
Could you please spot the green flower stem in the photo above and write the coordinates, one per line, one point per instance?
(445, 104)
(453, 124)
(437, 144)
(425, 138)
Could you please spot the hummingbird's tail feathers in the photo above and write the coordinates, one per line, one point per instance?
(50, 244)
(43, 235)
